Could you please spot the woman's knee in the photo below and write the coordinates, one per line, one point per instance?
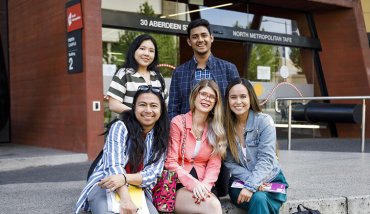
(259, 197)
(213, 204)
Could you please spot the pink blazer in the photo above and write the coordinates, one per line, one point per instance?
(206, 165)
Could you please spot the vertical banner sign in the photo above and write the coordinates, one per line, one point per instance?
(74, 36)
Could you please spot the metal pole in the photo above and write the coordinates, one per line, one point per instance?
(363, 126)
(290, 99)
(286, 32)
(290, 124)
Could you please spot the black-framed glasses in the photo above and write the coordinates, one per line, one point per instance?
(151, 88)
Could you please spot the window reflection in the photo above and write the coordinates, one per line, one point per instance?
(279, 25)
(227, 18)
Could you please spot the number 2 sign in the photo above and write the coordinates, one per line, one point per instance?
(74, 36)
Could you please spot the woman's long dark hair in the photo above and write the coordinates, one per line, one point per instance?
(137, 149)
(130, 56)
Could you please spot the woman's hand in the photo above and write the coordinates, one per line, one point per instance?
(112, 182)
(200, 193)
(127, 206)
(263, 185)
(244, 196)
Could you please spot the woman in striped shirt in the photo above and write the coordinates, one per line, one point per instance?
(138, 69)
(133, 154)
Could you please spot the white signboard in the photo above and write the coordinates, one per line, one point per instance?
(109, 69)
(263, 73)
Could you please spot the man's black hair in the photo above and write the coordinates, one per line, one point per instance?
(196, 23)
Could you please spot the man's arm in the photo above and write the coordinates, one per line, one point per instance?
(233, 73)
(174, 101)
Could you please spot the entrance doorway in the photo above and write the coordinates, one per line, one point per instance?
(4, 75)
(274, 52)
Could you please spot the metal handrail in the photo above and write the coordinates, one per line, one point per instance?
(289, 99)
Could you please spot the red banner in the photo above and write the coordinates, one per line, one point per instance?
(74, 17)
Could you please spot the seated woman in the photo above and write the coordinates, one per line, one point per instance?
(134, 154)
(251, 155)
(198, 163)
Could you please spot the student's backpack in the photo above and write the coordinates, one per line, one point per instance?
(94, 163)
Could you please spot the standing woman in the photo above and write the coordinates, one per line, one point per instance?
(205, 145)
(138, 69)
(133, 154)
(251, 156)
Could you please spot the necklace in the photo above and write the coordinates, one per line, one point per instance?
(240, 128)
(197, 132)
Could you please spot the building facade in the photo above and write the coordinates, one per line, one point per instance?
(50, 101)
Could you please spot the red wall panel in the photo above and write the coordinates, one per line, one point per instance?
(345, 58)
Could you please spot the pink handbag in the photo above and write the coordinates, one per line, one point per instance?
(164, 192)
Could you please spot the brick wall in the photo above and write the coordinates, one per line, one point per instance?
(49, 107)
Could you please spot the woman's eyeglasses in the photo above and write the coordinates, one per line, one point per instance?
(149, 87)
(204, 95)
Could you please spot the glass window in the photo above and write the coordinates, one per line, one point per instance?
(279, 25)
(275, 71)
(116, 43)
(227, 18)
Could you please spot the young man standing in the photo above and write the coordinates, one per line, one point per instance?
(203, 65)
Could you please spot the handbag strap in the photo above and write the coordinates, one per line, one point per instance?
(299, 209)
(183, 140)
(311, 211)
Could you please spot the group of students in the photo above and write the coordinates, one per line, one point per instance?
(211, 109)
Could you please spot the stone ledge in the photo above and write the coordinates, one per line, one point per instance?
(339, 205)
(359, 204)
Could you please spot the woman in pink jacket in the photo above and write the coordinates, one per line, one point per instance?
(205, 145)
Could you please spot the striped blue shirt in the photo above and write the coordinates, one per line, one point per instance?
(114, 160)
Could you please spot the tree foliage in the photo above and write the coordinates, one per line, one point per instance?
(262, 55)
(295, 56)
(146, 9)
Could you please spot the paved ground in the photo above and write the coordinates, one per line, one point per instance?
(326, 144)
(326, 174)
(46, 174)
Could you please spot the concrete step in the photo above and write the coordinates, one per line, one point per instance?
(340, 205)
(61, 197)
(332, 182)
